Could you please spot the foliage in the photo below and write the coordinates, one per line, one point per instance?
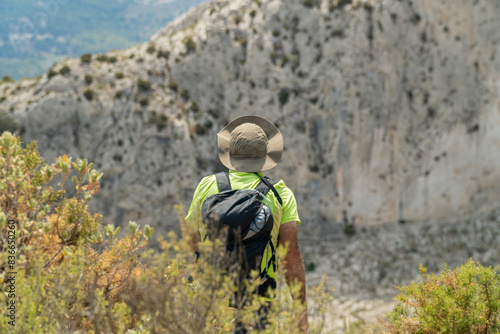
(7, 123)
(464, 300)
(189, 44)
(86, 58)
(163, 54)
(107, 59)
(185, 94)
(151, 48)
(75, 275)
(89, 79)
(7, 78)
(65, 70)
(311, 3)
(143, 85)
(65, 274)
(89, 94)
(51, 73)
(283, 96)
(173, 85)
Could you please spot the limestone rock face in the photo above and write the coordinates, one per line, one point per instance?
(390, 110)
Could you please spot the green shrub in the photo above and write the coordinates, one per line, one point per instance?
(7, 123)
(106, 59)
(51, 73)
(89, 94)
(194, 107)
(75, 275)
(189, 44)
(311, 3)
(118, 94)
(200, 129)
(185, 94)
(143, 85)
(119, 75)
(463, 300)
(163, 54)
(161, 122)
(7, 78)
(283, 96)
(86, 58)
(64, 70)
(151, 48)
(144, 101)
(173, 85)
(88, 79)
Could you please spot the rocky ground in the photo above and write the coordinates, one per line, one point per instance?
(365, 268)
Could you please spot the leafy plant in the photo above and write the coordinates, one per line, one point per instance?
(89, 94)
(75, 275)
(189, 44)
(7, 78)
(86, 58)
(64, 70)
(88, 79)
(143, 85)
(463, 300)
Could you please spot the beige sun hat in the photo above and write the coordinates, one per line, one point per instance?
(250, 144)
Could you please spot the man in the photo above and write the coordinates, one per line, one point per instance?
(248, 146)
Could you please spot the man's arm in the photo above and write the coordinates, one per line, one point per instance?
(294, 265)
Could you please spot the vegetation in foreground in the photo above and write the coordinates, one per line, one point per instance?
(75, 275)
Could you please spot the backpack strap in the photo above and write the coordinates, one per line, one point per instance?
(223, 182)
(265, 184)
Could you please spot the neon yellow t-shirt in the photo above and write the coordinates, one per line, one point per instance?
(239, 180)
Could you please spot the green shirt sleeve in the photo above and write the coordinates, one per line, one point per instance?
(203, 190)
(289, 208)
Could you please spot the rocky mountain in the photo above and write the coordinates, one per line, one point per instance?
(390, 110)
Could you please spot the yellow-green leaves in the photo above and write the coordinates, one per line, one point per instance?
(148, 231)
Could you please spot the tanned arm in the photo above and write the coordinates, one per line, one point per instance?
(294, 265)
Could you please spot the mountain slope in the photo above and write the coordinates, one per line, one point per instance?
(389, 110)
(35, 34)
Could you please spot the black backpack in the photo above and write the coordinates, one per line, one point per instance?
(248, 222)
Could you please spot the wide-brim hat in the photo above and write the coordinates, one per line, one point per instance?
(250, 144)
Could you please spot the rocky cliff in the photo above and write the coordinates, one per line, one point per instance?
(390, 110)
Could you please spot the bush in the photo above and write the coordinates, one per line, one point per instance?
(88, 79)
(61, 260)
(143, 85)
(51, 73)
(86, 58)
(64, 70)
(89, 94)
(7, 78)
(284, 94)
(189, 44)
(173, 85)
(7, 123)
(185, 94)
(464, 300)
(76, 276)
(106, 59)
(311, 3)
(144, 102)
(163, 54)
(119, 75)
(151, 48)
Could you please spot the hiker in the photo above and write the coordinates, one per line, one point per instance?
(248, 146)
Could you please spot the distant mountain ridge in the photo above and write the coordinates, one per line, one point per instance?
(35, 34)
